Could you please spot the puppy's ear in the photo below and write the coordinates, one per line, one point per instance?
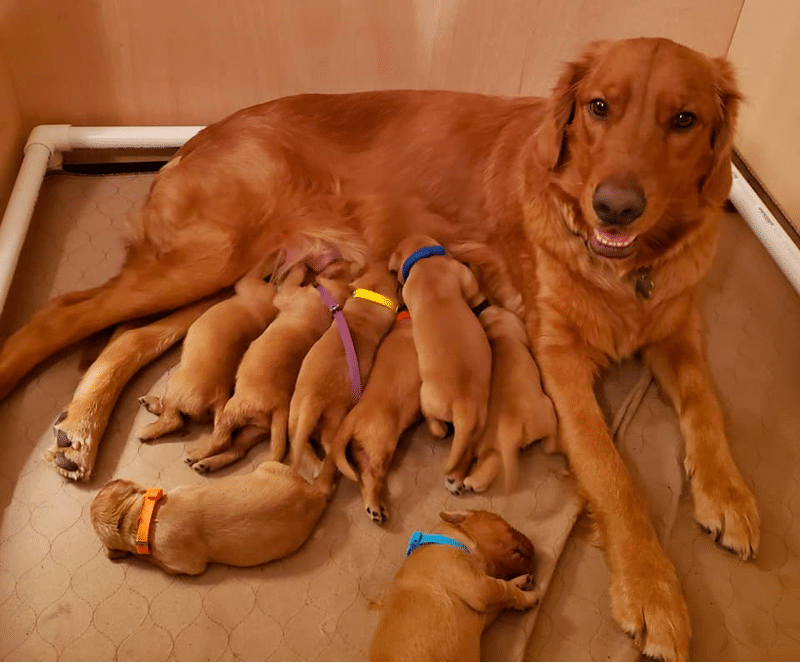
(549, 146)
(716, 184)
(111, 553)
(453, 517)
(395, 264)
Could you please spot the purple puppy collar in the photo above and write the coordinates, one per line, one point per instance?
(347, 340)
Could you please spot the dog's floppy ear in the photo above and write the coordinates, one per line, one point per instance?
(453, 517)
(549, 146)
(716, 185)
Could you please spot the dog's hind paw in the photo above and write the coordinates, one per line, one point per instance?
(378, 515)
(455, 486)
(200, 467)
(152, 404)
(74, 451)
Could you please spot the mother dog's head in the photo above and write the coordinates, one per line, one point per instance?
(638, 134)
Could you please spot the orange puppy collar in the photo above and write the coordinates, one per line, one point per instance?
(151, 496)
(403, 315)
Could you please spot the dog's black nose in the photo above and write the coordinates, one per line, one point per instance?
(618, 204)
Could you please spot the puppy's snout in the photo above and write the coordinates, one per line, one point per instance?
(617, 203)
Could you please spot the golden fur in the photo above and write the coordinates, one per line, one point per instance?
(517, 176)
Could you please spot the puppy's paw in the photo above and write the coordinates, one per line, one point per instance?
(75, 448)
(725, 507)
(525, 582)
(377, 515)
(200, 467)
(531, 593)
(455, 486)
(647, 603)
(152, 404)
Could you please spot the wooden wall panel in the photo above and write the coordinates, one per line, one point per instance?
(194, 61)
(766, 53)
(11, 136)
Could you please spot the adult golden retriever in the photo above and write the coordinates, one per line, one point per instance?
(602, 200)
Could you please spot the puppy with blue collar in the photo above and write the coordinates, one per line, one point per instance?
(452, 585)
(455, 359)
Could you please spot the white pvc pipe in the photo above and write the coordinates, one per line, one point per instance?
(44, 143)
(765, 226)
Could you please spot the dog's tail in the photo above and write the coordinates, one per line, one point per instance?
(326, 479)
(507, 441)
(279, 434)
(339, 448)
(304, 461)
(468, 424)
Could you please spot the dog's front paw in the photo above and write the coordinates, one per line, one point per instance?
(152, 404)
(532, 594)
(75, 449)
(725, 507)
(647, 602)
(455, 486)
(200, 467)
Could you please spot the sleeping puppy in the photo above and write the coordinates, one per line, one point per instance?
(388, 406)
(443, 597)
(454, 356)
(214, 344)
(324, 391)
(519, 411)
(242, 520)
(268, 371)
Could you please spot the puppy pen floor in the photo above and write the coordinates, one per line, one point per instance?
(60, 598)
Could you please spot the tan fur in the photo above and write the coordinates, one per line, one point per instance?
(454, 356)
(442, 598)
(519, 411)
(323, 393)
(267, 374)
(214, 345)
(516, 176)
(242, 520)
(388, 406)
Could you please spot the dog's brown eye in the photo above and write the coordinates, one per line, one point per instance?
(598, 107)
(683, 120)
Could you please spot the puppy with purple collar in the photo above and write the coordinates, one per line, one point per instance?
(451, 586)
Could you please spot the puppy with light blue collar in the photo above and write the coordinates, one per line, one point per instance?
(452, 585)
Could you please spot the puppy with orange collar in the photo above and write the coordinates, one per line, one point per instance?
(330, 378)
(242, 520)
(454, 356)
(389, 405)
(212, 349)
(452, 585)
(268, 371)
(519, 411)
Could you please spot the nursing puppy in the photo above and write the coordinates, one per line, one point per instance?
(242, 520)
(268, 371)
(519, 411)
(324, 393)
(388, 406)
(442, 598)
(214, 344)
(454, 356)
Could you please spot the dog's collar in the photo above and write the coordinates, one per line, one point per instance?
(347, 340)
(376, 297)
(419, 539)
(405, 314)
(419, 254)
(480, 308)
(151, 496)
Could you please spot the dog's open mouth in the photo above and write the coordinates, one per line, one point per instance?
(612, 244)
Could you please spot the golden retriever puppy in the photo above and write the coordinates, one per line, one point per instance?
(455, 360)
(242, 520)
(519, 411)
(328, 383)
(389, 405)
(445, 594)
(267, 374)
(213, 347)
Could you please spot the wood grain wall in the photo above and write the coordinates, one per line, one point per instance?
(11, 135)
(195, 61)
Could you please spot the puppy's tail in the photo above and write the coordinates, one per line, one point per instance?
(278, 434)
(339, 449)
(507, 442)
(326, 478)
(304, 461)
(468, 424)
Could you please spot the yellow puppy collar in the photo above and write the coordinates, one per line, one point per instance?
(151, 496)
(378, 298)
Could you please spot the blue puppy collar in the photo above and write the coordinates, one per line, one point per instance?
(419, 254)
(419, 539)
